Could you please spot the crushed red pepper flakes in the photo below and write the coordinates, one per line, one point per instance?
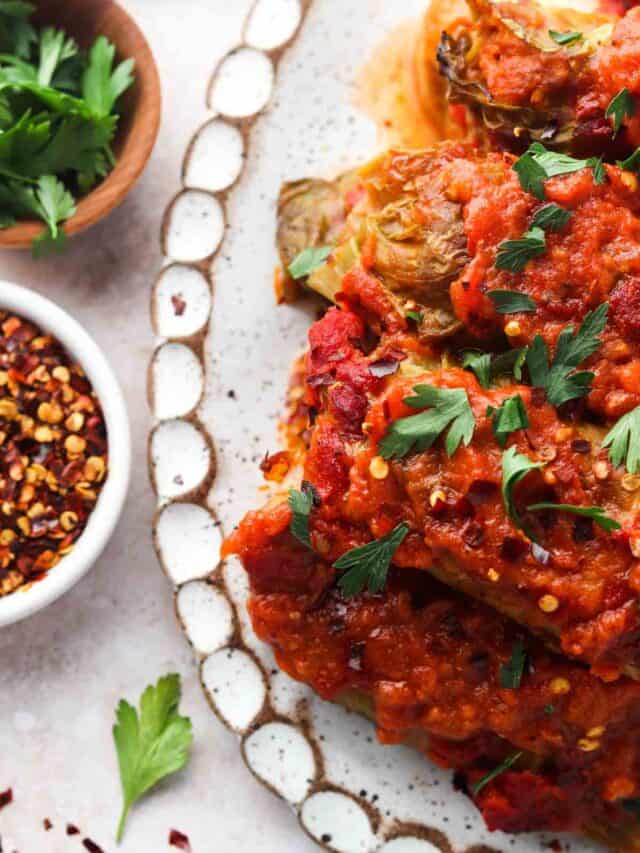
(6, 798)
(91, 846)
(54, 452)
(179, 840)
(72, 829)
(47, 824)
(179, 304)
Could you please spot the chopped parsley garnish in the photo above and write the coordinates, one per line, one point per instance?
(151, 744)
(368, 565)
(308, 260)
(549, 709)
(622, 106)
(447, 408)
(566, 38)
(558, 378)
(623, 441)
(599, 172)
(511, 673)
(538, 164)
(480, 363)
(501, 768)
(416, 316)
(511, 361)
(511, 302)
(632, 163)
(301, 503)
(511, 416)
(57, 120)
(515, 467)
(514, 255)
(596, 513)
(551, 217)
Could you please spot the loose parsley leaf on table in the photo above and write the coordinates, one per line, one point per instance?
(596, 513)
(509, 417)
(511, 302)
(368, 565)
(447, 408)
(565, 38)
(501, 768)
(151, 744)
(308, 260)
(511, 673)
(558, 378)
(301, 503)
(622, 106)
(623, 441)
(515, 467)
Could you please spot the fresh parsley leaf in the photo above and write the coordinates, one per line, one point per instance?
(416, 316)
(559, 379)
(511, 361)
(511, 673)
(549, 710)
(308, 260)
(565, 39)
(632, 163)
(622, 106)
(151, 745)
(480, 363)
(55, 204)
(301, 503)
(506, 764)
(515, 467)
(55, 48)
(538, 164)
(16, 33)
(510, 417)
(623, 441)
(551, 217)
(368, 565)
(599, 172)
(514, 255)
(511, 302)
(448, 408)
(101, 84)
(594, 512)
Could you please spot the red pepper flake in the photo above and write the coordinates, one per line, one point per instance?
(91, 846)
(6, 798)
(72, 829)
(179, 304)
(179, 840)
(47, 824)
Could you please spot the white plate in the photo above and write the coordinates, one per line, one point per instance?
(221, 385)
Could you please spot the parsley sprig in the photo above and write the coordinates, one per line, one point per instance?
(151, 744)
(511, 302)
(515, 467)
(501, 768)
(301, 503)
(595, 513)
(537, 165)
(57, 120)
(308, 260)
(368, 565)
(448, 408)
(512, 673)
(509, 417)
(622, 106)
(623, 441)
(488, 367)
(559, 378)
(514, 255)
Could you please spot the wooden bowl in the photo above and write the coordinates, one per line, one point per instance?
(139, 109)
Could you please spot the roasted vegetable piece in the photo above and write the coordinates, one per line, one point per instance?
(531, 72)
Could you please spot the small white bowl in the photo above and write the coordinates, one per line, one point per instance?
(102, 521)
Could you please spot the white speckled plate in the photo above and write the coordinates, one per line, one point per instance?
(281, 108)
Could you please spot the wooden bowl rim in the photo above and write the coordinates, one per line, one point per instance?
(106, 196)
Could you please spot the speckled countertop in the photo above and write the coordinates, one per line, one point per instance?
(64, 670)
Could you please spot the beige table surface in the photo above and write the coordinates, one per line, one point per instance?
(63, 671)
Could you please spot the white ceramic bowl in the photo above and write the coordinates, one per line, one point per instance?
(102, 521)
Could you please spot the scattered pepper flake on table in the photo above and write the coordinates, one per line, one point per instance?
(54, 457)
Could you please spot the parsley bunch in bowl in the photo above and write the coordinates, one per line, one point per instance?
(57, 121)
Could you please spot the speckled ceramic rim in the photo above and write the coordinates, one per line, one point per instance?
(102, 521)
(247, 709)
